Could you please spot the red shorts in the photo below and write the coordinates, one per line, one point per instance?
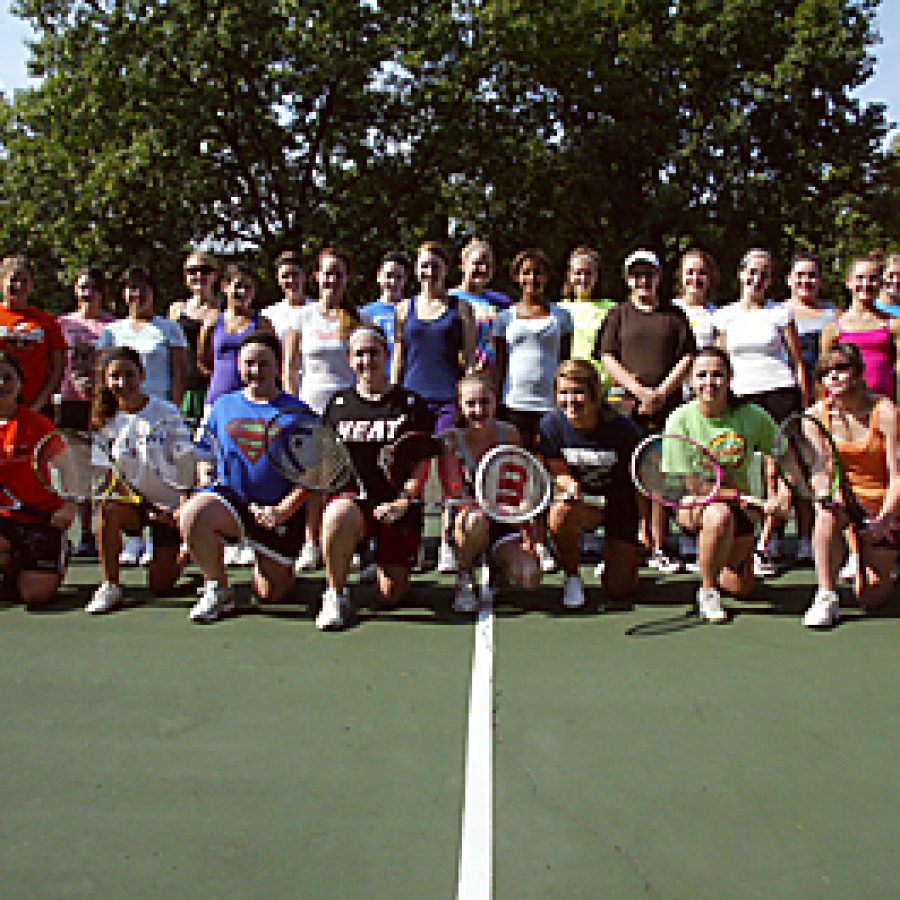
(396, 544)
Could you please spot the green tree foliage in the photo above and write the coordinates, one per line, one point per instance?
(257, 125)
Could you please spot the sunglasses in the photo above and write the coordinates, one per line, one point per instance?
(199, 270)
(837, 367)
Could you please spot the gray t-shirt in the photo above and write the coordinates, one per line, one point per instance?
(533, 355)
(153, 341)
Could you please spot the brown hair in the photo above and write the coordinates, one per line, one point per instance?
(710, 263)
(758, 251)
(103, 403)
(530, 254)
(582, 372)
(874, 258)
(848, 353)
(347, 315)
(581, 251)
(473, 246)
(436, 248)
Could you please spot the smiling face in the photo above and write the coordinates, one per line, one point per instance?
(258, 366)
(892, 279)
(710, 380)
(123, 378)
(583, 275)
(755, 276)
(292, 281)
(368, 358)
(239, 291)
(477, 403)
(805, 282)
(331, 277)
(199, 278)
(431, 270)
(839, 376)
(392, 280)
(864, 282)
(86, 291)
(696, 279)
(575, 398)
(477, 269)
(532, 278)
(138, 297)
(16, 285)
(643, 283)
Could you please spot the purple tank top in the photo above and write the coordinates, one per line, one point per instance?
(431, 352)
(225, 376)
(877, 349)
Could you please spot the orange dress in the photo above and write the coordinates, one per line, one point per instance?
(865, 463)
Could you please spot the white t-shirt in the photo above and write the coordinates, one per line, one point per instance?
(325, 368)
(283, 316)
(153, 341)
(756, 345)
(701, 319)
(126, 434)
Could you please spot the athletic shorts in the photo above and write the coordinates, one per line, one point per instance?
(396, 543)
(779, 404)
(527, 423)
(498, 533)
(74, 414)
(35, 547)
(282, 544)
(161, 533)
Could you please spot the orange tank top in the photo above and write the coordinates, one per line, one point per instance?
(865, 463)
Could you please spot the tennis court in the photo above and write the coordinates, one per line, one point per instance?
(636, 753)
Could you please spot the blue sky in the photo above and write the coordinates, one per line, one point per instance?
(883, 86)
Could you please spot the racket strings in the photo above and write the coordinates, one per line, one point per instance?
(807, 458)
(673, 470)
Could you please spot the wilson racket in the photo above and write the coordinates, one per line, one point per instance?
(681, 473)
(308, 454)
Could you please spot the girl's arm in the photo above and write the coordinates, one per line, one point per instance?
(292, 360)
(470, 337)
(175, 310)
(829, 337)
(673, 380)
(204, 345)
(178, 366)
(895, 333)
(792, 342)
(624, 378)
(397, 359)
(888, 416)
(56, 366)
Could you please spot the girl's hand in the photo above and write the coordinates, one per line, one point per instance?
(393, 511)
(270, 516)
(64, 516)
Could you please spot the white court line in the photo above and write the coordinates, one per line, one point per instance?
(476, 854)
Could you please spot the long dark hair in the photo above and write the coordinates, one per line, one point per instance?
(104, 405)
(731, 399)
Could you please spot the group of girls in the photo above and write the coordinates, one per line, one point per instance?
(578, 382)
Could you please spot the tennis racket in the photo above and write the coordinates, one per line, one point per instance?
(807, 458)
(680, 473)
(307, 453)
(400, 459)
(79, 467)
(185, 457)
(513, 487)
(12, 465)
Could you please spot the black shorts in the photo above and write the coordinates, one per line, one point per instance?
(282, 544)
(161, 533)
(779, 404)
(73, 414)
(35, 547)
(527, 423)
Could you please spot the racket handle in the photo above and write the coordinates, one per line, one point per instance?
(596, 500)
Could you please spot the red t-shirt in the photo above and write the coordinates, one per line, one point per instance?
(18, 438)
(31, 335)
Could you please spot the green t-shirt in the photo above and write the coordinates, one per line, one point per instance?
(587, 317)
(732, 438)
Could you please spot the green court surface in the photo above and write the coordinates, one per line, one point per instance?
(636, 753)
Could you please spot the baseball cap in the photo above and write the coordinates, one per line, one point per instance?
(640, 256)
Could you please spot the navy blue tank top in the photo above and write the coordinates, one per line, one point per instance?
(431, 353)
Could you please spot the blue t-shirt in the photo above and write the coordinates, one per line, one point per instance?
(239, 424)
(599, 461)
(381, 313)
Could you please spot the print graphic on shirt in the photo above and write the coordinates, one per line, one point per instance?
(729, 448)
(369, 430)
(22, 334)
(249, 437)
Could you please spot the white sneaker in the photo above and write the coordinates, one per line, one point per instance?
(446, 561)
(334, 610)
(232, 554)
(464, 600)
(709, 603)
(848, 572)
(824, 611)
(763, 567)
(214, 603)
(573, 592)
(663, 563)
(147, 554)
(310, 558)
(804, 550)
(105, 598)
(599, 569)
(132, 551)
(545, 558)
(246, 555)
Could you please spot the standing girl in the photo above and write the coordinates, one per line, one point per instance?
(123, 418)
(761, 339)
(316, 365)
(698, 277)
(291, 277)
(201, 275)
